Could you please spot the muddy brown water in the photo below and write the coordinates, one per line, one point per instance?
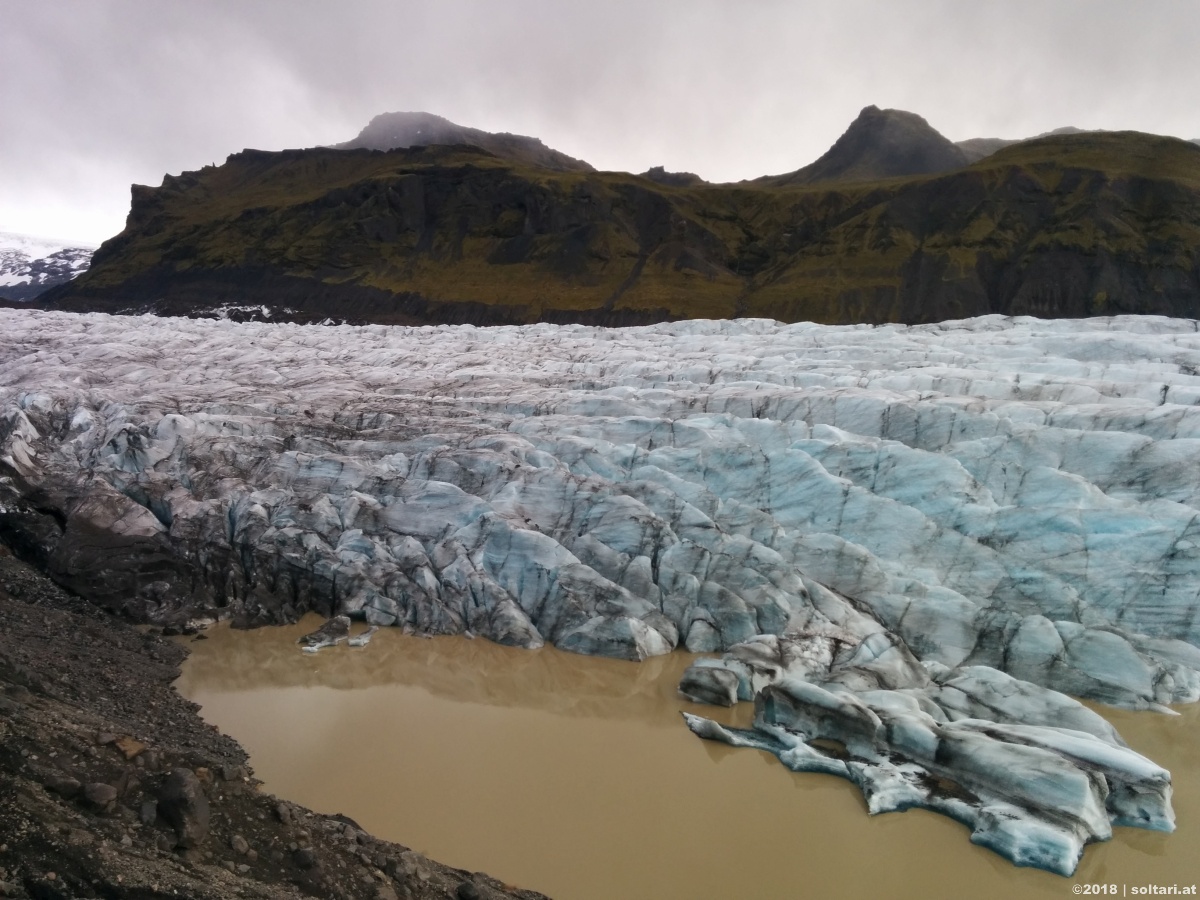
(575, 776)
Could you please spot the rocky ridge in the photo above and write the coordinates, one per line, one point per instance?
(400, 130)
(888, 226)
(976, 149)
(659, 175)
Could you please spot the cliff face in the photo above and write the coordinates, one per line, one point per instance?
(1070, 225)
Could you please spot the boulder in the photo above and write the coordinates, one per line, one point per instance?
(183, 804)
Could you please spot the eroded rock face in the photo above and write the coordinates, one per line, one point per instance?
(876, 524)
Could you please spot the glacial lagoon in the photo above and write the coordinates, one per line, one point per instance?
(576, 776)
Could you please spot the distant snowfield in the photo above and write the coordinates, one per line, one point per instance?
(1015, 494)
(37, 247)
(28, 260)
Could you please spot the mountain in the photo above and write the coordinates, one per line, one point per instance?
(399, 130)
(1068, 225)
(659, 175)
(31, 265)
(979, 148)
(976, 149)
(880, 143)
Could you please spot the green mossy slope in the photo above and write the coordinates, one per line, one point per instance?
(1070, 225)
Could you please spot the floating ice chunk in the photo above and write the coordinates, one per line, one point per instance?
(972, 743)
(361, 640)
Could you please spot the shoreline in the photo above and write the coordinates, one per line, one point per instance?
(91, 731)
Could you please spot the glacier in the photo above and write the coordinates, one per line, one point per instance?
(30, 265)
(906, 544)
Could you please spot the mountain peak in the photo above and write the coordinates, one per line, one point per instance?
(396, 130)
(30, 265)
(882, 143)
(659, 175)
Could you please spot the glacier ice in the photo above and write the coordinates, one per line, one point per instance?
(1035, 774)
(937, 525)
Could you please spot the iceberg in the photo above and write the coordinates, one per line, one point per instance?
(1034, 773)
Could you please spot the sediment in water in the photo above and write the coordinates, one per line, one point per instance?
(91, 731)
(576, 776)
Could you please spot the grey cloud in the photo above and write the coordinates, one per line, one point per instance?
(99, 93)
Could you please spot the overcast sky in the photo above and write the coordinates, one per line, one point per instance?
(98, 94)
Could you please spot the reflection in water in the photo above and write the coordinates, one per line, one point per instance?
(575, 776)
(461, 670)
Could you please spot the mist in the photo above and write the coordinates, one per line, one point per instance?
(100, 94)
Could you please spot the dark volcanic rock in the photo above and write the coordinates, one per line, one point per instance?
(181, 802)
(100, 796)
(63, 785)
(101, 676)
(659, 175)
